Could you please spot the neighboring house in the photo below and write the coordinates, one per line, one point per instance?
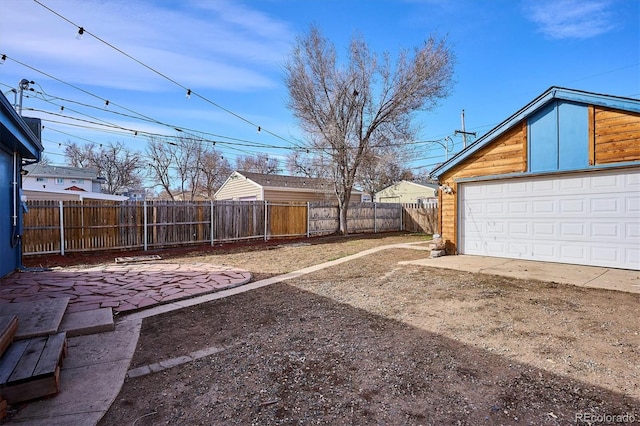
(557, 181)
(19, 144)
(133, 194)
(246, 186)
(44, 182)
(424, 194)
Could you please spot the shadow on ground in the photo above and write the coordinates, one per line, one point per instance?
(293, 357)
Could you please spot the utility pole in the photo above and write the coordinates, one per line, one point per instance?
(463, 132)
(22, 86)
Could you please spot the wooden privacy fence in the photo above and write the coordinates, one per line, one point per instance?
(74, 226)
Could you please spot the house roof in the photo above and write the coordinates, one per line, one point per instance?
(61, 171)
(15, 133)
(553, 93)
(408, 182)
(42, 194)
(283, 182)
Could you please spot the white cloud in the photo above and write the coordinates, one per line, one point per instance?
(580, 19)
(201, 45)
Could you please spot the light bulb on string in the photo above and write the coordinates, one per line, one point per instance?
(3, 58)
(188, 93)
(80, 33)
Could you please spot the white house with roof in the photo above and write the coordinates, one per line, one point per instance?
(46, 182)
(408, 192)
(248, 186)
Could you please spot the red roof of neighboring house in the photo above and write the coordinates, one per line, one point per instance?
(74, 188)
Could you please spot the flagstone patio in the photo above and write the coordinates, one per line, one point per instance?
(122, 287)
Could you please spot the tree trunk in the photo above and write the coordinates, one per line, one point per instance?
(343, 207)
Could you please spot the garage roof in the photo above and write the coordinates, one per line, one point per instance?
(553, 93)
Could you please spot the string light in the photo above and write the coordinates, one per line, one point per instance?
(106, 103)
(81, 30)
(3, 58)
(80, 33)
(188, 93)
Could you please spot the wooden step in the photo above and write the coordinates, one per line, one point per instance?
(8, 328)
(30, 368)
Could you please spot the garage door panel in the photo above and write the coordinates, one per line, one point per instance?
(573, 230)
(519, 250)
(607, 205)
(545, 229)
(544, 207)
(519, 229)
(547, 252)
(573, 205)
(610, 231)
(591, 219)
(574, 252)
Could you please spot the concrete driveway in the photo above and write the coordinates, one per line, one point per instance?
(578, 275)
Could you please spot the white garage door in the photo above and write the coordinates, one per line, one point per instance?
(588, 218)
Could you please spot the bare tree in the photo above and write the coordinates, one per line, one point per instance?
(119, 166)
(259, 163)
(215, 169)
(186, 159)
(303, 164)
(83, 156)
(160, 160)
(380, 171)
(346, 111)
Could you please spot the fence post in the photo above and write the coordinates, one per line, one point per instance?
(265, 219)
(212, 223)
(61, 229)
(401, 217)
(308, 219)
(375, 222)
(144, 215)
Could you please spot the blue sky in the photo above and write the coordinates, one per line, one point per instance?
(231, 54)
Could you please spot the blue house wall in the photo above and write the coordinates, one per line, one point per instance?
(9, 258)
(18, 144)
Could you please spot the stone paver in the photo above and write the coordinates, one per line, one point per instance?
(123, 287)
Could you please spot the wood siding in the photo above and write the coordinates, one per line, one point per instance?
(616, 136)
(507, 154)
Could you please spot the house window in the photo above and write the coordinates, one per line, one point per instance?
(59, 181)
(77, 181)
(41, 179)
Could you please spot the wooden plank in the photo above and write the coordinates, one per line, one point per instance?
(28, 361)
(38, 388)
(11, 358)
(52, 354)
(592, 138)
(8, 328)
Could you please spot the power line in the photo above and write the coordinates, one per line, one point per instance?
(189, 91)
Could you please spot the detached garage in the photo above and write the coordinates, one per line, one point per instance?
(558, 181)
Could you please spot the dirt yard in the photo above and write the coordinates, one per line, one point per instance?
(373, 342)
